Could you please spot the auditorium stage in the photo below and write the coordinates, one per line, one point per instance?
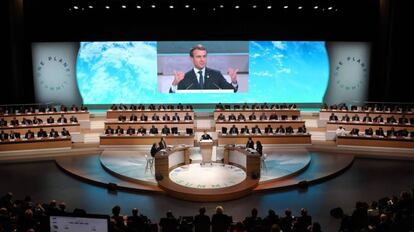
(125, 169)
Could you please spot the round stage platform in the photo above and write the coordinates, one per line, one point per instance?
(127, 169)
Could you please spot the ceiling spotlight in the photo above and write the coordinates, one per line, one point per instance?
(214, 9)
(300, 7)
(138, 7)
(285, 7)
(107, 7)
(153, 6)
(171, 7)
(237, 6)
(193, 8)
(315, 7)
(75, 7)
(269, 7)
(90, 7)
(254, 6)
(330, 8)
(221, 6)
(187, 6)
(123, 6)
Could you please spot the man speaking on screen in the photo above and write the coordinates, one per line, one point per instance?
(201, 77)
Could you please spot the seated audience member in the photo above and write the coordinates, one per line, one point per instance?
(289, 130)
(221, 117)
(151, 107)
(256, 130)
(285, 117)
(293, 106)
(245, 106)
(387, 108)
(83, 108)
(412, 121)
(51, 109)
(378, 119)
(391, 119)
(340, 131)
(244, 130)
(220, 222)
(264, 106)
(165, 130)
(403, 133)
(133, 118)
(234, 130)
(189, 107)
(189, 131)
(283, 106)
(4, 136)
(142, 131)
(169, 223)
(333, 107)
(271, 220)
(14, 135)
(29, 135)
(287, 221)
(162, 144)
(161, 107)
(29, 110)
(53, 133)
(143, 118)
(14, 122)
(73, 119)
(155, 117)
(224, 130)
(241, 117)
(232, 117)
(344, 107)
(345, 118)
(176, 117)
(333, 117)
(154, 149)
(62, 119)
(269, 129)
(41, 133)
(354, 131)
(252, 117)
(295, 117)
(355, 118)
(37, 120)
(219, 106)
(180, 106)
(273, 116)
(303, 221)
(63, 108)
(378, 107)
(133, 107)
(166, 117)
(117, 222)
(26, 122)
(254, 222)
(354, 108)
(250, 143)
(380, 132)
(121, 118)
(263, 116)
(109, 131)
(201, 221)
(119, 130)
(324, 106)
(255, 106)
(74, 108)
(367, 118)
(153, 130)
(3, 122)
(114, 107)
(187, 117)
(280, 130)
(403, 120)
(369, 132)
(302, 130)
(65, 132)
(174, 130)
(275, 107)
(391, 132)
(122, 106)
(227, 107)
(141, 107)
(130, 131)
(236, 107)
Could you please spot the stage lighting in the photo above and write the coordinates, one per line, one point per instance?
(285, 7)
(269, 7)
(75, 7)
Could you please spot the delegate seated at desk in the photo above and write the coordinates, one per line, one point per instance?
(201, 77)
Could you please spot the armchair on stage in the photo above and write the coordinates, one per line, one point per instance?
(206, 147)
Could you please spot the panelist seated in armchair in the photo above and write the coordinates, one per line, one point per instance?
(280, 130)
(380, 132)
(234, 130)
(165, 130)
(269, 129)
(256, 130)
(142, 130)
(369, 132)
(109, 131)
(354, 131)
(245, 130)
(153, 130)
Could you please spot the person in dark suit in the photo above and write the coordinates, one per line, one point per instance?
(391, 119)
(165, 130)
(378, 119)
(391, 132)
(14, 122)
(355, 118)
(114, 107)
(220, 222)
(133, 118)
(273, 116)
(250, 143)
(245, 130)
(403, 120)
(369, 132)
(109, 131)
(280, 130)
(354, 131)
(26, 121)
(289, 130)
(14, 135)
(201, 77)
(154, 149)
(241, 117)
(162, 144)
(62, 119)
(121, 118)
(367, 118)
(53, 133)
(169, 223)
(37, 120)
(133, 107)
(155, 117)
(345, 118)
(119, 130)
(166, 117)
(232, 117)
(263, 116)
(221, 117)
(234, 130)
(143, 118)
(333, 117)
(41, 133)
(65, 132)
(3, 136)
(176, 117)
(187, 117)
(206, 136)
(254, 222)
(130, 131)
(268, 129)
(142, 130)
(202, 221)
(29, 134)
(3, 122)
(256, 130)
(380, 132)
(153, 130)
(252, 116)
(73, 119)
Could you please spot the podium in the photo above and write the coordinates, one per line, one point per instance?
(206, 147)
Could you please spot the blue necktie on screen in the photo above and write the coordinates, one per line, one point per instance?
(201, 81)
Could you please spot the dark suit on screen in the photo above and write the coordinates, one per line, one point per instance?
(213, 79)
